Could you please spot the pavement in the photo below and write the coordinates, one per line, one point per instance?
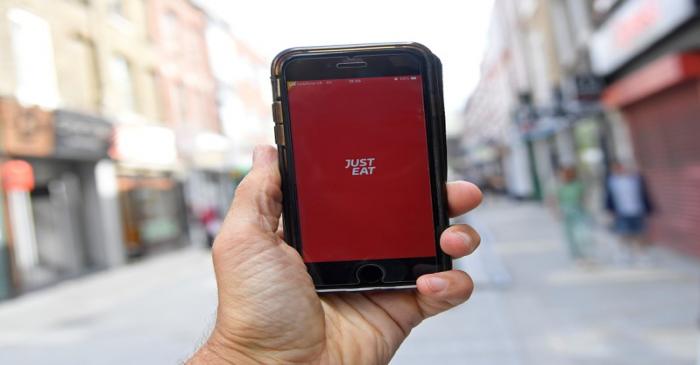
(532, 305)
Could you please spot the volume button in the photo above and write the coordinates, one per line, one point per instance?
(276, 89)
(279, 134)
(277, 112)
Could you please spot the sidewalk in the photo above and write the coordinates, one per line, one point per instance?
(554, 312)
(156, 311)
(531, 306)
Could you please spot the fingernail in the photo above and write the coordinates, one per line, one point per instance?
(464, 238)
(437, 284)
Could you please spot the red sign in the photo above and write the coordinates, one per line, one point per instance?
(17, 175)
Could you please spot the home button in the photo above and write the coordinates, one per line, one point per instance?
(369, 274)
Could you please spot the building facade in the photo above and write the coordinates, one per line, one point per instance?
(109, 111)
(62, 222)
(523, 74)
(504, 82)
(648, 52)
(590, 84)
(191, 99)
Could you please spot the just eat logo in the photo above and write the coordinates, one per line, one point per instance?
(360, 166)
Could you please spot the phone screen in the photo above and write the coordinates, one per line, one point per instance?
(362, 169)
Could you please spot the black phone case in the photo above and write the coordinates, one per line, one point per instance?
(436, 136)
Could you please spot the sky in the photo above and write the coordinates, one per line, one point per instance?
(454, 30)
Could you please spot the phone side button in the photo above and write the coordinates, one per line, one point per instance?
(277, 112)
(279, 134)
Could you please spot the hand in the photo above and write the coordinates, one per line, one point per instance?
(268, 310)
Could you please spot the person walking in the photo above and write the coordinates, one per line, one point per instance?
(570, 199)
(628, 202)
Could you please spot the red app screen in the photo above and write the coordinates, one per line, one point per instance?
(362, 173)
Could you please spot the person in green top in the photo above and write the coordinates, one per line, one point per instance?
(570, 198)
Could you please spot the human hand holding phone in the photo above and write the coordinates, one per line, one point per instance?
(269, 311)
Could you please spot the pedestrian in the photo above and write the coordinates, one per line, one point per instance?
(570, 197)
(211, 222)
(628, 202)
(269, 312)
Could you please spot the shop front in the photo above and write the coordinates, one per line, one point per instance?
(150, 189)
(210, 181)
(58, 221)
(27, 133)
(542, 132)
(80, 179)
(661, 104)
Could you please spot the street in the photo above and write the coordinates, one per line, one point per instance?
(532, 305)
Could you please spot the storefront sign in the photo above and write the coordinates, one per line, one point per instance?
(146, 145)
(81, 136)
(17, 175)
(587, 87)
(25, 131)
(634, 27)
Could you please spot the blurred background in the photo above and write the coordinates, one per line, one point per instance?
(125, 126)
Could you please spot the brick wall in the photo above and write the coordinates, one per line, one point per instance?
(186, 83)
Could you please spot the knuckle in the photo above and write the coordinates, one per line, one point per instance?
(246, 185)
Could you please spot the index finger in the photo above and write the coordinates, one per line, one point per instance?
(462, 197)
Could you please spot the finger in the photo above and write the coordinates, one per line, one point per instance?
(462, 197)
(257, 202)
(441, 291)
(459, 240)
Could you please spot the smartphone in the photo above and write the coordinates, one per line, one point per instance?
(361, 141)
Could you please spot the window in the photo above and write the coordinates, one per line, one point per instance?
(566, 44)
(120, 71)
(169, 27)
(84, 89)
(580, 14)
(118, 8)
(156, 95)
(33, 59)
(178, 108)
(526, 8)
(181, 103)
(539, 67)
(192, 50)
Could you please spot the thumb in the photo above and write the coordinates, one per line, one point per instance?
(257, 203)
